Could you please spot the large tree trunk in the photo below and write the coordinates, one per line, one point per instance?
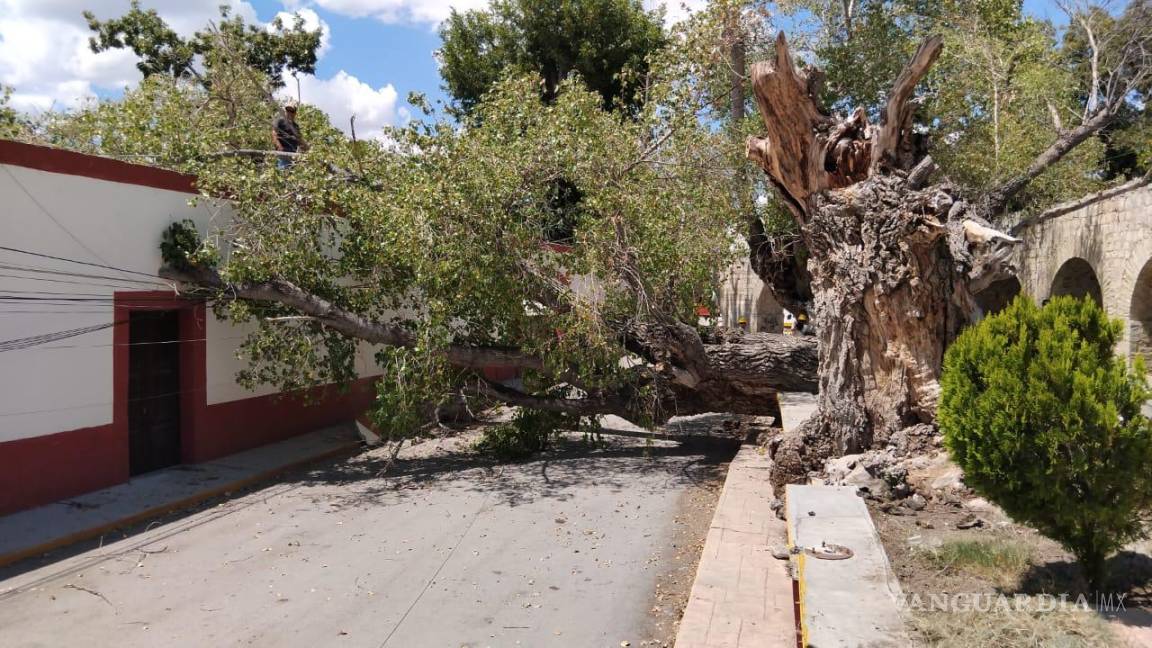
(882, 289)
(893, 264)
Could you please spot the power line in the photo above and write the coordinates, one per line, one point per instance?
(92, 284)
(95, 265)
(126, 344)
(141, 299)
(130, 400)
(49, 292)
(50, 216)
(65, 273)
(45, 338)
(94, 311)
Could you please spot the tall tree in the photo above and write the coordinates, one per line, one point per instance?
(10, 123)
(896, 261)
(606, 42)
(443, 269)
(286, 48)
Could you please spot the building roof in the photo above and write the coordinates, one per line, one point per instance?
(56, 160)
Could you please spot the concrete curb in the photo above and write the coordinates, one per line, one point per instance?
(184, 502)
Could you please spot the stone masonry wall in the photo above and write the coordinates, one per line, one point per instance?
(1108, 244)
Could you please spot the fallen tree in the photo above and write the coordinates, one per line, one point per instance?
(740, 375)
(440, 268)
(446, 262)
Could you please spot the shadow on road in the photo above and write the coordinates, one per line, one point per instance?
(615, 464)
(688, 456)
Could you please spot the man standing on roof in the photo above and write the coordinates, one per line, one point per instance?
(286, 136)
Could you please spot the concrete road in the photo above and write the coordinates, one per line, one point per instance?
(561, 551)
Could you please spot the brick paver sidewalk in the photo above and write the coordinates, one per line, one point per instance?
(742, 596)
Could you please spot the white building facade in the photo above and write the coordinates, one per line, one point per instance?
(104, 371)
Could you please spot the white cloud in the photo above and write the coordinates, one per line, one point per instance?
(44, 52)
(400, 11)
(44, 56)
(344, 95)
(312, 22)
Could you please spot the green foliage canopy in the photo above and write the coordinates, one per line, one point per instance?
(11, 126)
(1005, 87)
(161, 50)
(440, 229)
(606, 42)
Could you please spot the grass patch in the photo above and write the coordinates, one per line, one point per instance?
(1014, 629)
(999, 561)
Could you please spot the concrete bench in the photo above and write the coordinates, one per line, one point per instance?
(852, 602)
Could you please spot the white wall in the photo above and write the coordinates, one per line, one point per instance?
(67, 384)
(742, 294)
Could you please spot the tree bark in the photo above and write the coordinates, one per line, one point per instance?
(893, 264)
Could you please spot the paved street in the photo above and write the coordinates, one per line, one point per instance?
(563, 551)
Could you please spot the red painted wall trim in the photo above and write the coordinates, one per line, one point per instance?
(54, 160)
(234, 426)
(45, 469)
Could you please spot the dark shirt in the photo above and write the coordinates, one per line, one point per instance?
(287, 134)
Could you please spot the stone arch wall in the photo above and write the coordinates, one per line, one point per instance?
(1113, 238)
(1140, 316)
(994, 298)
(1077, 277)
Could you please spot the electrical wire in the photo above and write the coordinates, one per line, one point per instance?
(90, 284)
(50, 216)
(127, 344)
(45, 338)
(86, 263)
(130, 400)
(67, 301)
(65, 273)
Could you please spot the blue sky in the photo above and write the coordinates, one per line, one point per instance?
(375, 52)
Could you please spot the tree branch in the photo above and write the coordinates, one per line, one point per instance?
(347, 322)
(791, 154)
(587, 406)
(890, 141)
(998, 198)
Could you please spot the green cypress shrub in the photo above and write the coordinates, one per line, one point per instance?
(1045, 421)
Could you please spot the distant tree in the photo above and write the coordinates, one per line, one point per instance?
(290, 48)
(10, 124)
(1092, 48)
(596, 39)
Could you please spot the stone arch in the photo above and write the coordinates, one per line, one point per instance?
(769, 314)
(1077, 278)
(1140, 316)
(994, 298)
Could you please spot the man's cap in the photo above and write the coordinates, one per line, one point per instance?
(290, 106)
